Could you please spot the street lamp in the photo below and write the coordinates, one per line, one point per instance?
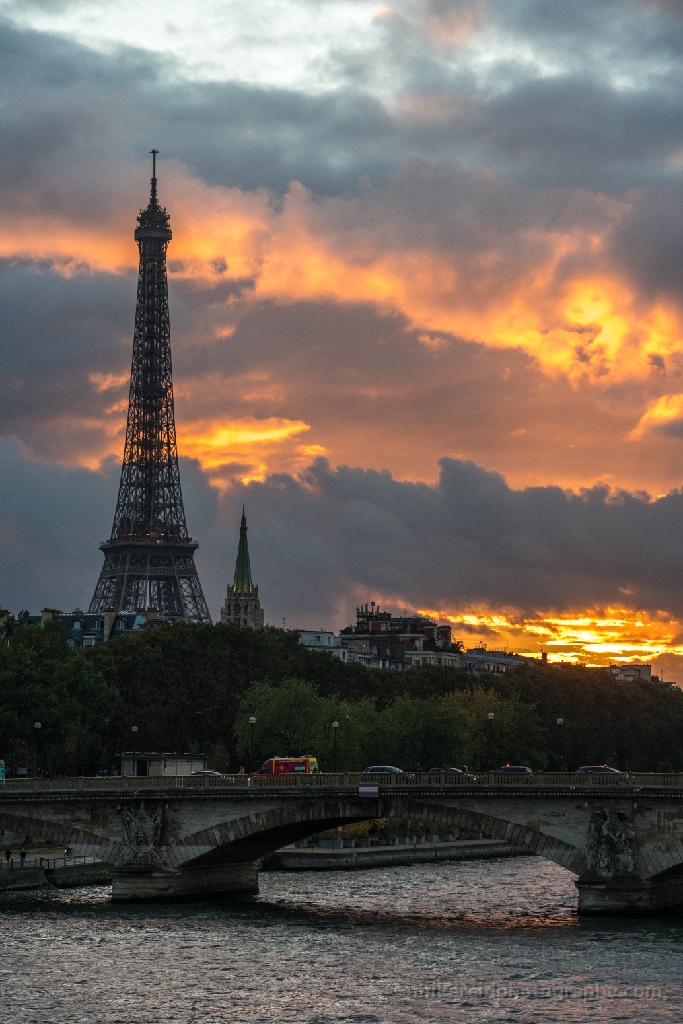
(36, 727)
(490, 717)
(200, 715)
(559, 741)
(252, 723)
(134, 730)
(335, 726)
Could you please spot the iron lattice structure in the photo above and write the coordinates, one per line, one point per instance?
(149, 558)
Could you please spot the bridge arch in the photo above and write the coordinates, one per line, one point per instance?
(58, 834)
(256, 834)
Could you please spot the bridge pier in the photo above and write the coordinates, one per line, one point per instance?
(629, 896)
(193, 882)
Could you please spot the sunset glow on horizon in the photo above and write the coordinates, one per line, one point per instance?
(592, 637)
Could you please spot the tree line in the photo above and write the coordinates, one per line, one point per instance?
(188, 688)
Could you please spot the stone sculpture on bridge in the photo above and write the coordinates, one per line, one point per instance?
(610, 846)
(142, 832)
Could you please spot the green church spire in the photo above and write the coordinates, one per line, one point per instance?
(243, 584)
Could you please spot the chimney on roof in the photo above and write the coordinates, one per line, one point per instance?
(109, 617)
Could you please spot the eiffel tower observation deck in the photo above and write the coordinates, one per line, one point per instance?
(149, 558)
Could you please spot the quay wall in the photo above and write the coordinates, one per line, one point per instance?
(316, 859)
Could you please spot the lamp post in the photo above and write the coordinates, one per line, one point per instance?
(200, 715)
(559, 742)
(134, 730)
(335, 727)
(490, 717)
(252, 723)
(36, 728)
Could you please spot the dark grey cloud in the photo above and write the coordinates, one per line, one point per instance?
(572, 131)
(321, 544)
(76, 125)
(73, 120)
(468, 539)
(53, 519)
(647, 244)
(576, 93)
(55, 333)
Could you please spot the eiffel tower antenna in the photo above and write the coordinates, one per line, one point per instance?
(153, 197)
(149, 558)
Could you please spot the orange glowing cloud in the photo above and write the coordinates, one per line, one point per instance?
(595, 637)
(108, 381)
(513, 292)
(248, 449)
(666, 410)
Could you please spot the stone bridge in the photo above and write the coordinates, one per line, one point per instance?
(620, 835)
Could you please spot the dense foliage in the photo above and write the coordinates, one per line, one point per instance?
(192, 687)
(411, 731)
(43, 680)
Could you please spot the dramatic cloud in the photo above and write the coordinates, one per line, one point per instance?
(470, 539)
(541, 566)
(402, 233)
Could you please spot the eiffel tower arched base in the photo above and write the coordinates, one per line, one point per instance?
(150, 575)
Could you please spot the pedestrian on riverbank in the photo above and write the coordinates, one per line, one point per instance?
(8, 854)
(22, 857)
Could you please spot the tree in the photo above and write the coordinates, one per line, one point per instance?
(43, 679)
(518, 736)
(167, 675)
(288, 719)
(428, 732)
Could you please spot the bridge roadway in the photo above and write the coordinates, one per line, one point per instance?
(189, 837)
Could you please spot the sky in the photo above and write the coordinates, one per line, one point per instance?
(426, 294)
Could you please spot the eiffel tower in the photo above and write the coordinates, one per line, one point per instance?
(149, 558)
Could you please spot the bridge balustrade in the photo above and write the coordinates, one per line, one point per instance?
(346, 780)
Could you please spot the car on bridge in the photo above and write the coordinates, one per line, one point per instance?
(604, 768)
(519, 769)
(383, 768)
(458, 771)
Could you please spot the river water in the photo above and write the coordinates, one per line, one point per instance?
(476, 941)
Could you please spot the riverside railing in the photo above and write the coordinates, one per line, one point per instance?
(347, 780)
(15, 862)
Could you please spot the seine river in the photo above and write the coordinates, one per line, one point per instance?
(489, 941)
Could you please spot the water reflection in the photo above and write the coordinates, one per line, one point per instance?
(486, 941)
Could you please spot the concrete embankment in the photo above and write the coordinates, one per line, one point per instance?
(312, 859)
(22, 878)
(79, 874)
(317, 859)
(69, 877)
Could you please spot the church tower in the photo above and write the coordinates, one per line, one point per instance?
(242, 605)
